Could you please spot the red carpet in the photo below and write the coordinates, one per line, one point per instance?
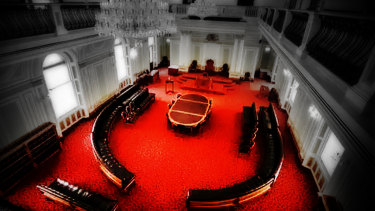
(167, 164)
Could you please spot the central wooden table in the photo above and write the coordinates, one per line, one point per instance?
(190, 110)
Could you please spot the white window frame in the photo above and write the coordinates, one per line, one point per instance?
(68, 84)
(340, 150)
(122, 60)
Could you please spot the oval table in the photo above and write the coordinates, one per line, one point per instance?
(190, 111)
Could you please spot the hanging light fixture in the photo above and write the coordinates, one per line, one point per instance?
(135, 18)
(203, 8)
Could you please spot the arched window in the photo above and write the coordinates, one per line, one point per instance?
(59, 83)
(122, 59)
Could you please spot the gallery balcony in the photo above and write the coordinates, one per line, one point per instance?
(333, 55)
(27, 26)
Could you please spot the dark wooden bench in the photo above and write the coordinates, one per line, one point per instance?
(140, 99)
(143, 78)
(77, 198)
(143, 99)
(249, 128)
(26, 154)
(254, 186)
(117, 173)
(136, 104)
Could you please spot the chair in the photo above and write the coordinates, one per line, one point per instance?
(225, 70)
(193, 67)
(210, 68)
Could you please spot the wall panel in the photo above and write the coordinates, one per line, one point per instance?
(175, 52)
(99, 81)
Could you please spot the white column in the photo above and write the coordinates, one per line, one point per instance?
(156, 59)
(234, 56)
(312, 26)
(274, 69)
(58, 19)
(237, 55)
(240, 56)
(185, 49)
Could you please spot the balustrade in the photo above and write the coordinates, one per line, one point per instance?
(24, 21)
(292, 4)
(223, 10)
(343, 45)
(251, 12)
(315, 5)
(27, 20)
(296, 29)
(270, 17)
(279, 22)
(79, 17)
(264, 14)
(179, 9)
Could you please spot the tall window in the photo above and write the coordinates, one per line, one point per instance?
(293, 91)
(59, 83)
(122, 60)
(332, 153)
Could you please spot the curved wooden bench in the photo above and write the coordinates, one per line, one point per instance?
(255, 186)
(99, 140)
(117, 173)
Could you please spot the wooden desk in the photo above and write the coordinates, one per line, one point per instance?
(169, 81)
(173, 70)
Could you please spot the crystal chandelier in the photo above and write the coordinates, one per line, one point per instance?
(135, 18)
(203, 8)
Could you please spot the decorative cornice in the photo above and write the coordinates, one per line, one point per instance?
(34, 52)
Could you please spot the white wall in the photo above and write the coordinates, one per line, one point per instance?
(250, 57)
(24, 100)
(23, 104)
(98, 72)
(352, 175)
(175, 52)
